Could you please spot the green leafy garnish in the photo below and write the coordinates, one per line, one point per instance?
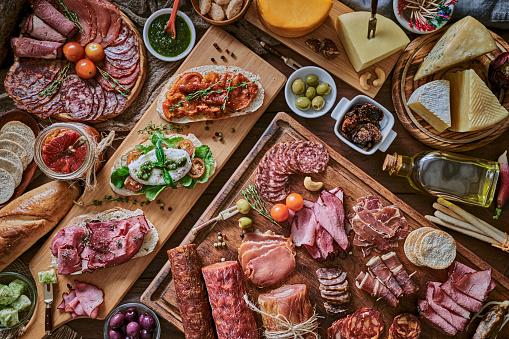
(168, 179)
(161, 158)
(144, 149)
(204, 153)
(187, 182)
(151, 192)
(119, 175)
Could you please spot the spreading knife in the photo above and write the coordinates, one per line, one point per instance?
(48, 299)
(289, 61)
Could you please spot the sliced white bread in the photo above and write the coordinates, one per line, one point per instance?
(20, 128)
(20, 139)
(8, 185)
(16, 149)
(13, 169)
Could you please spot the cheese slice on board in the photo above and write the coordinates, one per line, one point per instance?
(465, 40)
(293, 18)
(352, 29)
(431, 102)
(473, 105)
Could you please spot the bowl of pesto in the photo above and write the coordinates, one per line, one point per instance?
(161, 44)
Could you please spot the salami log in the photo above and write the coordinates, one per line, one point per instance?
(232, 316)
(334, 331)
(405, 326)
(191, 293)
(365, 323)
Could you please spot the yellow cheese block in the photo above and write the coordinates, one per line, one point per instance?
(352, 29)
(473, 105)
(293, 18)
(465, 40)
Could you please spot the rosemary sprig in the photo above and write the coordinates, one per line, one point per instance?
(114, 83)
(255, 201)
(57, 82)
(71, 16)
(151, 128)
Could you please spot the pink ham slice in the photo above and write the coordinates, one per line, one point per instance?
(433, 319)
(53, 17)
(475, 284)
(461, 298)
(444, 300)
(457, 270)
(455, 320)
(89, 296)
(271, 267)
(325, 243)
(303, 227)
(257, 251)
(331, 216)
(31, 48)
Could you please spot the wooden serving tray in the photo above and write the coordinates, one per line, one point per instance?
(340, 66)
(116, 281)
(160, 295)
(403, 85)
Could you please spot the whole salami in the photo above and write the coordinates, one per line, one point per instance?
(232, 316)
(365, 323)
(191, 293)
(405, 326)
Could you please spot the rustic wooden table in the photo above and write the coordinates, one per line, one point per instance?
(323, 128)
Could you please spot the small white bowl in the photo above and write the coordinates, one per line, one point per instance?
(404, 21)
(323, 76)
(191, 28)
(388, 135)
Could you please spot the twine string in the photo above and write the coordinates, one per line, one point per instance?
(289, 329)
(505, 246)
(90, 182)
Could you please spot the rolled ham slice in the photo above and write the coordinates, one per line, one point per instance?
(382, 272)
(31, 48)
(368, 283)
(53, 17)
(392, 261)
(40, 30)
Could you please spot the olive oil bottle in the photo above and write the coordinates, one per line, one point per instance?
(447, 175)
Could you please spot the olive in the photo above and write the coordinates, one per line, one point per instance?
(318, 103)
(310, 93)
(245, 223)
(323, 89)
(303, 103)
(312, 80)
(298, 87)
(243, 206)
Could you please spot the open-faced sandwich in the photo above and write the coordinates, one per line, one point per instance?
(208, 93)
(102, 240)
(162, 161)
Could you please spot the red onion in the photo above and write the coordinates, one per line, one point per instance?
(498, 72)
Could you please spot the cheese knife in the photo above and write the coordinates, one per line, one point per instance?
(289, 61)
(372, 20)
(48, 299)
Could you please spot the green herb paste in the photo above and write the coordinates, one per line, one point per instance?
(162, 41)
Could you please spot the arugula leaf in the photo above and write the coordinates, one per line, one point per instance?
(187, 181)
(170, 143)
(119, 175)
(168, 179)
(204, 153)
(144, 149)
(151, 192)
(160, 153)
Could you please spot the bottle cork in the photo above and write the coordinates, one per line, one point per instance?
(392, 163)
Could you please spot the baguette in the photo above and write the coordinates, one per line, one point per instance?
(26, 219)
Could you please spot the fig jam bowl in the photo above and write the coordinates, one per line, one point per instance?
(132, 320)
(161, 44)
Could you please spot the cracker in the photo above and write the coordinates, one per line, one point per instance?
(410, 242)
(418, 241)
(437, 250)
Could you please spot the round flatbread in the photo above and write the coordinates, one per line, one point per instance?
(437, 249)
(24, 142)
(16, 149)
(410, 242)
(7, 184)
(20, 128)
(13, 169)
(418, 243)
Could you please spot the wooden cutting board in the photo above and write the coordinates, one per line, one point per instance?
(160, 295)
(116, 281)
(340, 66)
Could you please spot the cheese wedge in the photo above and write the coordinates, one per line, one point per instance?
(473, 105)
(293, 18)
(431, 102)
(352, 29)
(465, 40)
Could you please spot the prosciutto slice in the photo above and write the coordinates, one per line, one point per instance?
(304, 227)
(382, 272)
(368, 283)
(392, 261)
(331, 216)
(84, 299)
(475, 284)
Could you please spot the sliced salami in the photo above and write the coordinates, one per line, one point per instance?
(76, 97)
(312, 157)
(328, 273)
(121, 101)
(123, 34)
(338, 280)
(340, 299)
(99, 100)
(130, 79)
(122, 64)
(119, 72)
(275, 196)
(123, 47)
(334, 289)
(128, 54)
(292, 157)
(54, 106)
(405, 326)
(111, 103)
(365, 323)
(333, 308)
(282, 160)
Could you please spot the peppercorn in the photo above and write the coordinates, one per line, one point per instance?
(207, 128)
(161, 208)
(214, 138)
(158, 201)
(219, 238)
(169, 209)
(222, 57)
(220, 138)
(216, 134)
(223, 244)
(218, 233)
(215, 244)
(212, 59)
(219, 134)
(233, 130)
(215, 46)
(242, 235)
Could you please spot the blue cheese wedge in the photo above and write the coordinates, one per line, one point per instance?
(464, 41)
(431, 101)
(47, 277)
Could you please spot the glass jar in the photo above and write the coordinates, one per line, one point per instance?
(66, 151)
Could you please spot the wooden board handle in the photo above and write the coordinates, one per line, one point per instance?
(47, 320)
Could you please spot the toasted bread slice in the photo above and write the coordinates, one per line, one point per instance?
(8, 185)
(20, 139)
(16, 149)
(20, 128)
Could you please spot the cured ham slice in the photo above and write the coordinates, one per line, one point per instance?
(331, 216)
(433, 319)
(368, 283)
(292, 303)
(475, 284)
(38, 29)
(31, 48)
(304, 227)
(82, 300)
(392, 261)
(443, 299)
(53, 17)
(382, 272)
(272, 267)
(455, 320)
(226, 290)
(457, 270)
(461, 298)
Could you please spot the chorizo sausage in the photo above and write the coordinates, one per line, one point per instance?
(491, 321)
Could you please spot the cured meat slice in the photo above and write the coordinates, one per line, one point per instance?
(292, 303)
(54, 106)
(328, 273)
(53, 17)
(304, 227)
(247, 256)
(457, 270)
(335, 281)
(111, 103)
(382, 272)
(116, 23)
(392, 261)
(475, 284)
(331, 216)
(461, 298)
(123, 33)
(405, 326)
(191, 292)
(294, 157)
(336, 289)
(130, 79)
(431, 318)
(312, 157)
(455, 320)
(86, 18)
(128, 54)
(334, 331)
(124, 63)
(340, 299)
(333, 308)
(368, 283)
(118, 72)
(444, 300)
(31, 48)
(272, 267)
(226, 290)
(259, 237)
(40, 30)
(102, 17)
(99, 99)
(121, 101)
(365, 323)
(77, 97)
(324, 242)
(89, 296)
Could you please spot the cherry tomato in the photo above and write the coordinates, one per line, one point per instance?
(94, 52)
(197, 168)
(132, 184)
(86, 69)
(132, 157)
(279, 212)
(73, 51)
(187, 145)
(295, 202)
